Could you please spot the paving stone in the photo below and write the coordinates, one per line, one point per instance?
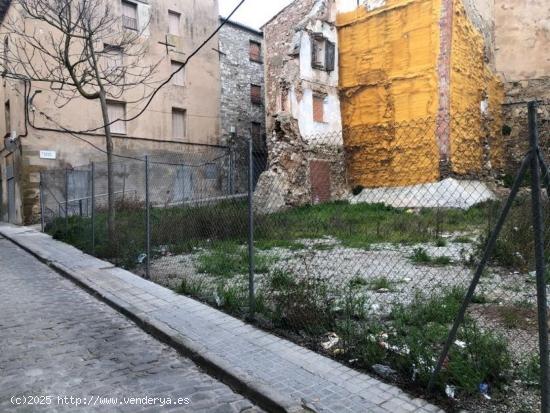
(86, 348)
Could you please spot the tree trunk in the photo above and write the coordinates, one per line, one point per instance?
(110, 180)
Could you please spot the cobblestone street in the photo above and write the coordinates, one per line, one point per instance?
(57, 340)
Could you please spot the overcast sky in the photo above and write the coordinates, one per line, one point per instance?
(253, 13)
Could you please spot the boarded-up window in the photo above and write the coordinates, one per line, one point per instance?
(174, 19)
(319, 108)
(323, 53)
(319, 176)
(255, 51)
(179, 120)
(179, 77)
(256, 94)
(117, 110)
(129, 15)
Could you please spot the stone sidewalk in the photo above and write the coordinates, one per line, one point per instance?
(58, 342)
(277, 374)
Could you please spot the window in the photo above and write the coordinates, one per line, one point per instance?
(117, 110)
(113, 57)
(255, 51)
(129, 15)
(7, 116)
(256, 131)
(179, 123)
(179, 78)
(323, 53)
(319, 108)
(256, 135)
(256, 94)
(174, 23)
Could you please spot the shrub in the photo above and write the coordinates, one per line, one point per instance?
(420, 256)
(298, 302)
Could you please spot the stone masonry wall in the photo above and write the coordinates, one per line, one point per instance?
(238, 72)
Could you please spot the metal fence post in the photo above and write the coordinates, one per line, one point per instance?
(42, 217)
(230, 178)
(93, 208)
(489, 248)
(251, 262)
(538, 230)
(66, 201)
(147, 221)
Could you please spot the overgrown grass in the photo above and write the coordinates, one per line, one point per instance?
(186, 229)
(421, 256)
(229, 259)
(362, 225)
(515, 247)
(380, 283)
(411, 340)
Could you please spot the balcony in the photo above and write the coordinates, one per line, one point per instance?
(129, 23)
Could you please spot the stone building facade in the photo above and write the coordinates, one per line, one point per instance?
(184, 115)
(304, 130)
(242, 115)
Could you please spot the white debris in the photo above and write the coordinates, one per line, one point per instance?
(332, 340)
(449, 193)
(461, 344)
(450, 391)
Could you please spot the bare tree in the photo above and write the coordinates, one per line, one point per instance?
(80, 49)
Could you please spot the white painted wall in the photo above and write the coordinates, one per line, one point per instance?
(330, 131)
(326, 132)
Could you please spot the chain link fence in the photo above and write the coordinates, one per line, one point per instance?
(360, 245)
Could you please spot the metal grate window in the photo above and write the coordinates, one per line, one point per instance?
(129, 15)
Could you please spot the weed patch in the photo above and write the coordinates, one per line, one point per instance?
(421, 256)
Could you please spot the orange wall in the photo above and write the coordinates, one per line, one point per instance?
(390, 94)
(388, 73)
(471, 82)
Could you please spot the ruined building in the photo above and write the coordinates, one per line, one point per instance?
(429, 83)
(242, 115)
(304, 140)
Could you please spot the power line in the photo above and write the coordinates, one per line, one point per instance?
(167, 81)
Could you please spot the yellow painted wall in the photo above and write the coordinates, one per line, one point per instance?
(390, 94)
(388, 74)
(471, 82)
